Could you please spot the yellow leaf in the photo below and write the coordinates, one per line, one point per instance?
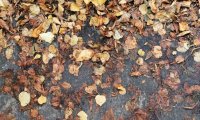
(24, 98)
(121, 89)
(74, 7)
(82, 115)
(143, 9)
(98, 2)
(100, 99)
(87, 1)
(42, 99)
(183, 26)
(81, 55)
(141, 52)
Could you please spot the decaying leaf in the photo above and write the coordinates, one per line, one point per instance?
(24, 98)
(100, 99)
(81, 55)
(82, 115)
(47, 37)
(42, 99)
(197, 56)
(157, 51)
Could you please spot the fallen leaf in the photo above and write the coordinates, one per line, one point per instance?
(66, 85)
(34, 9)
(99, 70)
(141, 52)
(87, 1)
(121, 89)
(4, 25)
(9, 53)
(91, 88)
(183, 46)
(24, 98)
(140, 61)
(157, 26)
(73, 40)
(47, 37)
(157, 51)
(183, 26)
(74, 7)
(68, 112)
(98, 2)
(100, 99)
(197, 56)
(117, 35)
(179, 59)
(82, 115)
(81, 55)
(143, 9)
(130, 42)
(42, 99)
(183, 33)
(73, 69)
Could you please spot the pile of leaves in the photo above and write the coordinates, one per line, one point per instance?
(40, 36)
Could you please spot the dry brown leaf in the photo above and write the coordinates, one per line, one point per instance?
(42, 99)
(66, 85)
(24, 98)
(4, 25)
(100, 99)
